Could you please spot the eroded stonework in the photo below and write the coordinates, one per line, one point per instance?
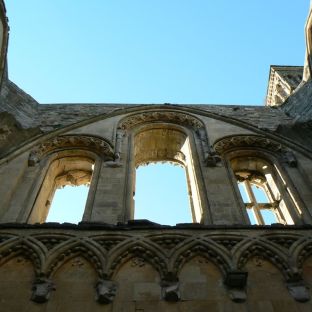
(230, 258)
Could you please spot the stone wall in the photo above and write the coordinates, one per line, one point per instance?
(145, 267)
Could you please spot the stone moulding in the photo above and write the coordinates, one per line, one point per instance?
(171, 117)
(253, 141)
(85, 142)
(232, 142)
(48, 251)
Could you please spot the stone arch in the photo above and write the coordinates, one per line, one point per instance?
(206, 249)
(300, 252)
(255, 142)
(262, 250)
(17, 276)
(51, 241)
(264, 160)
(85, 248)
(166, 136)
(201, 280)
(25, 247)
(141, 251)
(169, 117)
(63, 160)
(100, 146)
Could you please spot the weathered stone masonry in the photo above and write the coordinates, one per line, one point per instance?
(111, 262)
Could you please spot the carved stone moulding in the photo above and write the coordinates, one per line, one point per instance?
(161, 116)
(254, 141)
(90, 143)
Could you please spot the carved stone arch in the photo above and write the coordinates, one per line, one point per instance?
(141, 251)
(109, 242)
(300, 252)
(256, 142)
(229, 241)
(170, 242)
(28, 248)
(169, 117)
(206, 249)
(261, 250)
(85, 248)
(51, 241)
(100, 146)
(284, 240)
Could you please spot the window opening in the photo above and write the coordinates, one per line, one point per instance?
(162, 194)
(262, 209)
(68, 204)
(63, 193)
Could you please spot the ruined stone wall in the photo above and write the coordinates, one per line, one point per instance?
(109, 140)
(152, 268)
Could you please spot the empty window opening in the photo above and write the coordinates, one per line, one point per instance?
(64, 191)
(162, 146)
(68, 204)
(162, 194)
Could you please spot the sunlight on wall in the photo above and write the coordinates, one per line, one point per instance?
(68, 204)
(161, 194)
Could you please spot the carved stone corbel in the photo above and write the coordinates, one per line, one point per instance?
(105, 291)
(170, 289)
(212, 159)
(298, 289)
(236, 282)
(41, 290)
(289, 158)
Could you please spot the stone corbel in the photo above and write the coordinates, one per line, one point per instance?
(298, 289)
(41, 290)
(170, 289)
(236, 282)
(212, 159)
(289, 158)
(105, 291)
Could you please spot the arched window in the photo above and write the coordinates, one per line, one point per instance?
(264, 198)
(156, 144)
(67, 171)
(65, 161)
(165, 136)
(267, 192)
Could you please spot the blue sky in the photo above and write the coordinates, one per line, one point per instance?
(156, 51)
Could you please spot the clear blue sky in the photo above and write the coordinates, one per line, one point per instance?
(155, 51)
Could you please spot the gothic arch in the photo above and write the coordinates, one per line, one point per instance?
(207, 249)
(300, 252)
(28, 248)
(250, 248)
(84, 247)
(142, 250)
(100, 146)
